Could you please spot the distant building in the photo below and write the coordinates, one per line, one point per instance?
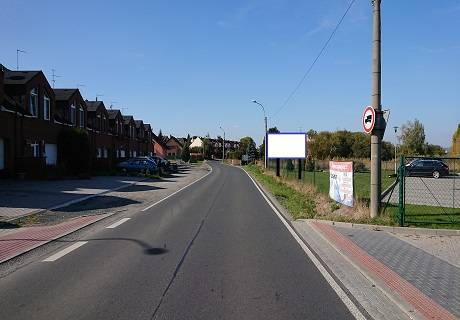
(456, 142)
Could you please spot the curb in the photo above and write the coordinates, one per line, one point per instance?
(68, 203)
(397, 230)
(104, 216)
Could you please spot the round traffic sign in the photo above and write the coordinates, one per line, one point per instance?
(368, 119)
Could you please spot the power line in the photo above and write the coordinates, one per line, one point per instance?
(297, 87)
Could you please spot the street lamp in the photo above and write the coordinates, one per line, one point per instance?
(396, 129)
(265, 144)
(223, 145)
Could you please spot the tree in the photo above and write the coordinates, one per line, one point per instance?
(245, 143)
(455, 150)
(361, 147)
(388, 151)
(434, 150)
(185, 155)
(160, 135)
(188, 139)
(412, 138)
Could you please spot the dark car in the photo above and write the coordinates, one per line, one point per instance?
(163, 164)
(427, 168)
(141, 164)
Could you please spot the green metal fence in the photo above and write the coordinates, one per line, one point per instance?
(429, 191)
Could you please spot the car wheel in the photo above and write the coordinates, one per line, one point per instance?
(436, 174)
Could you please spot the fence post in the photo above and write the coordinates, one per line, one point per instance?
(277, 167)
(299, 174)
(402, 190)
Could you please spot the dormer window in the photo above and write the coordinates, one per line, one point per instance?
(82, 117)
(33, 102)
(98, 122)
(104, 125)
(72, 114)
(116, 127)
(46, 108)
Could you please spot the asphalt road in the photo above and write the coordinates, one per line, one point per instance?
(215, 250)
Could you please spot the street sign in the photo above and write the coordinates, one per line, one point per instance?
(368, 119)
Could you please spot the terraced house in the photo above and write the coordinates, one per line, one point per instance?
(32, 116)
(28, 133)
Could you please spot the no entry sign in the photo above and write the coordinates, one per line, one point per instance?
(368, 119)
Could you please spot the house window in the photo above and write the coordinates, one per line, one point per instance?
(72, 114)
(33, 103)
(134, 154)
(118, 153)
(98, 122)
(116, 127)
(104, 124)
(106, 153)
(35, 150)
(99, 153)
(46, 108)
(82, 118)
(122, 154)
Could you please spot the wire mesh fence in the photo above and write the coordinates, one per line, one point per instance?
(429, 191)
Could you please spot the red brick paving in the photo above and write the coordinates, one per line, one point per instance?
(28, 238)
(423, 304)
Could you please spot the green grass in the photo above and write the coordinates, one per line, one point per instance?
(299, 205)
(362, 181)
(428, 216)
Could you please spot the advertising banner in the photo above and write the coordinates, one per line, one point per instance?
(341, 182)
(285, 145)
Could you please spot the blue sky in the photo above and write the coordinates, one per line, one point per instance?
(192, 66)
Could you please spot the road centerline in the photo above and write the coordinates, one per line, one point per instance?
(116, 224)
(65, 251)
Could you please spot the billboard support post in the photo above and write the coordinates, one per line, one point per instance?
(299, 173)
(278, 167)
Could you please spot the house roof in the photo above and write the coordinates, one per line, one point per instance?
(10, 104)
(64, 94)
(127, 119)
(113, 113)
(147, 126)
(159, 141)
(93, 105)
(175, 139)
(18, 77)
(139, 123)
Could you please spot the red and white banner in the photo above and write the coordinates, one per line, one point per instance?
(341, 182)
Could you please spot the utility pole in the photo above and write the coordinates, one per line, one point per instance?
(379, 129)
(265, 139)
(17, 57)
(223, 145)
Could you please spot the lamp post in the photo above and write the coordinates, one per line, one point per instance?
(223, 145)
(265, 139)
(396, 130)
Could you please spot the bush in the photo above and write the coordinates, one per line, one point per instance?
(310, 164)
(185, 156)
(358, 166)
(289, 165)
(74, 153)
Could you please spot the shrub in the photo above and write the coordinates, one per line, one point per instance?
(74, 153)
(358, 166)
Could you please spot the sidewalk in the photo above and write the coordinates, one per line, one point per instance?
(423, 283)
(22, 198)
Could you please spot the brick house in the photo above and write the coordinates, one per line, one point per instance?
(119, 143)
(100, 139)
(148, 139)
(174, 147)
(141, 149)
(27, 129)
(129, 128)
(159, 146)
(70, 108)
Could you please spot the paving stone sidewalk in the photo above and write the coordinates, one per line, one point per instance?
(435, 277)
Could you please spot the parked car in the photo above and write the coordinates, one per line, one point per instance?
(164, 164)
(140, 164)
(427, 168)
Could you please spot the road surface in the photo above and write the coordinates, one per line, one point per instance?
(215, 250)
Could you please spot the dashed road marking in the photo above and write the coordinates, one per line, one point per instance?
(65, 251)
(116, 224)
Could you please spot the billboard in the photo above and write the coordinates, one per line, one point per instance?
(341, 182)
(286, 145)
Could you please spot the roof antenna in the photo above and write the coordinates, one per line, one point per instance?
(54, 77)
(112, 103)
(17, 57)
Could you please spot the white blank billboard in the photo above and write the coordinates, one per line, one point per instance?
(287, 145)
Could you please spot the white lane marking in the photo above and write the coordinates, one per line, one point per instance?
(65, 251)
(116, 224)
(175, 192)
(342, 295)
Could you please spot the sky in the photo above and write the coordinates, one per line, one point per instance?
(190, 67)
